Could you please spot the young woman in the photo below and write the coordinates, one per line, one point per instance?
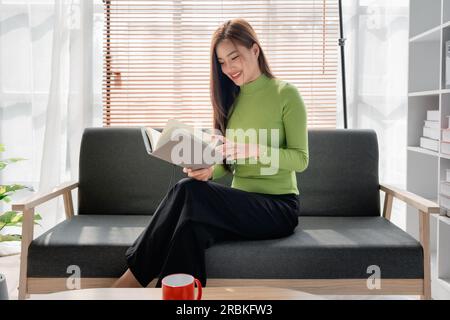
(260, 204)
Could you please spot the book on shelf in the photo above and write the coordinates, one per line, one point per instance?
(433, 115)
(182, 144)
(444, 203)
(429, 144)
(447, 64)
(432, 133)
(432, 124)
(447, 175)
(446, 135)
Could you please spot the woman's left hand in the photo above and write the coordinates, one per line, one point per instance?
(233, 150)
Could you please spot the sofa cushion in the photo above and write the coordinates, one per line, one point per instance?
(342, 174)
(323, 248)
(95, 243)
(117, 176)
(320, 248)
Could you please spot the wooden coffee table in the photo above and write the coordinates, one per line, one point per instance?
(209, 293)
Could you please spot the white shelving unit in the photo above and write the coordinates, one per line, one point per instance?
(429, 29)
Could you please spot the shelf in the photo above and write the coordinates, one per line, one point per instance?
(425, 93)
(429, 27)
(424, 66)
(424, 16)
(418, 106)
(444, 283)
(424, 151)
(435, 216)
(433, 34)
(443, 266)
(429, 35)
(446, 12)
(445, 39)
(433, 263)
(428, 93)
(444, 219)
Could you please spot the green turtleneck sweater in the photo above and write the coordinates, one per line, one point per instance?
(267, 103)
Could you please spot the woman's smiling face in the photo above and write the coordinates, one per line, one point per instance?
(237, 62)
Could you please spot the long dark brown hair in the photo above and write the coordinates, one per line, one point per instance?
(223, 90)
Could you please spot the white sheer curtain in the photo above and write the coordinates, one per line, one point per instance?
(70, 96)
(50, 89)
(376, 60)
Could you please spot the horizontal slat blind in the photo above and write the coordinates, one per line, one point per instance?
(156, 56)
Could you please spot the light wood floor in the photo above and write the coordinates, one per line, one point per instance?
(9, 266)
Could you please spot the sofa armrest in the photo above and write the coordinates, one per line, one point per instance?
(40, 198)
(27, 207)
(412, 199)
(424, 207)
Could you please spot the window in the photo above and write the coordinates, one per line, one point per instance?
(156, 56)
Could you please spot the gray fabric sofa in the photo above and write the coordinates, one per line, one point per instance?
(341, 235)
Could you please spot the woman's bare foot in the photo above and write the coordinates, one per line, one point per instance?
(127, 280)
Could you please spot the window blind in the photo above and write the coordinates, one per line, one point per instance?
(156, 56)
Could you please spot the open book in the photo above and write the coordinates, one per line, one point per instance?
(183, 145)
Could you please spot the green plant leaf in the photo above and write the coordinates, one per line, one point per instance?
(18, 224)
(17, 219)
(8, 216)
(7, 190)
(13, 219)
(5, 162)
(14, 187)
(37, 217)
(10, 237)
(13, 160)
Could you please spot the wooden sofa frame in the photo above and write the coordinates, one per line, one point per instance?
(420, 287)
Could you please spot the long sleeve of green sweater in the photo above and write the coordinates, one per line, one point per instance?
(271, 104)
(294, 156)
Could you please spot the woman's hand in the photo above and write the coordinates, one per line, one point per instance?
(233, 150)
(200, 174)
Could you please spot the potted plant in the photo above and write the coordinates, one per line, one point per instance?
(10, 243)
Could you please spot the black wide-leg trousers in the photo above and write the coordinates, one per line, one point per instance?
(195, 214)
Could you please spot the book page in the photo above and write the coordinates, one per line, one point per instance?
(188, 158)
(174, 124)
(199, 140)
(162, 146)
(154, 137)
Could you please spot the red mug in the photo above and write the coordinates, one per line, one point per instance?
(180, 286)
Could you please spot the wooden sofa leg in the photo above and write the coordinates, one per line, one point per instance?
(424, 226)
(27, 237)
